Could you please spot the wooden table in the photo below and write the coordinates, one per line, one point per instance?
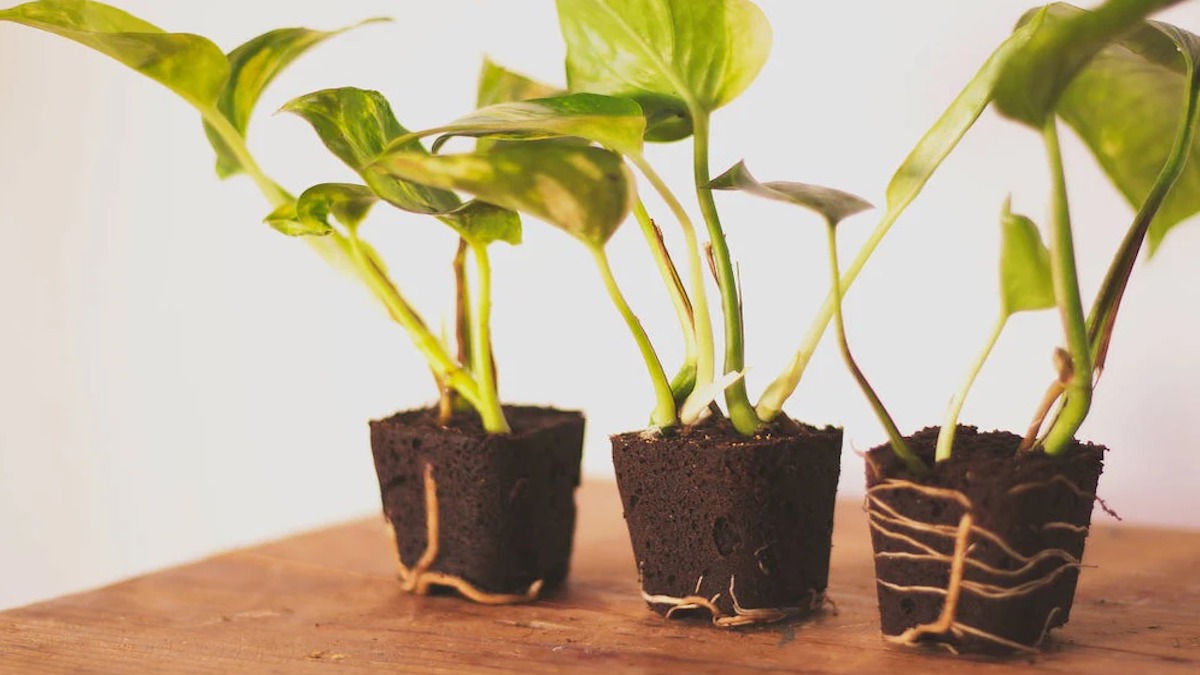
(328, 602)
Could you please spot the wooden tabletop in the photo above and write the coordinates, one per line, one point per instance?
(327, 601)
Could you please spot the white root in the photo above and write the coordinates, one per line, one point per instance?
(420, 580)
(741, 616)
(885, 520)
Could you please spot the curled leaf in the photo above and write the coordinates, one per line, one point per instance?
(833, 204)
(1025, 280)
(253, 66)
(616, 123)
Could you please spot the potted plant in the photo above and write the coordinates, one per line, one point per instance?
(491, 486)
(728, 513)
(979, 537)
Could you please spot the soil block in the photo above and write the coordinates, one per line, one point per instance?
(505, 504)
(983, 553)
(734, 526)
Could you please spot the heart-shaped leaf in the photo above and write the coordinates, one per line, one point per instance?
(1061, 46)
(253, 66)
(585, 191)
(833, 204)
(1127, 106)
(188, 65)
(674, 57)
(616, 123)
(498, 84)
(1025, 281)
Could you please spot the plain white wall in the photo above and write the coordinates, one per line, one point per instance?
(176, 378)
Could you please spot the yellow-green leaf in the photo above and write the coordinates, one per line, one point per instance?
(1025, 280)
(585, 191)
(669, 55)
(189, 65)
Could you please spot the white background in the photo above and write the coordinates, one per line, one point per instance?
(176, 378)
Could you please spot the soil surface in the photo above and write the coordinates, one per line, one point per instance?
(506, 503)
(712, 513)
(1037, 506)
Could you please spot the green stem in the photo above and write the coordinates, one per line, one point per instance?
(914, 463)
(686, 379)
(783, 386)
(945, 441)
(489, 408)
(703, 329)
(741, 412)
(338, 247)
(1066, 291)
(664, 415)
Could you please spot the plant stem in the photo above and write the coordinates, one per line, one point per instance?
(1066, 292)
(683, 383)
(664, 415)
(783, 386)
(462, 320)
(336, 247)
(482, 364)
(702, 318)
(741, 413)
(945, 441)
(914, 463)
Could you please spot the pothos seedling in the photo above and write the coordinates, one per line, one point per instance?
(356, 125)
(1130, 89)
(637, 71)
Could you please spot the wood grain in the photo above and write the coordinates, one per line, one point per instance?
(328, 601)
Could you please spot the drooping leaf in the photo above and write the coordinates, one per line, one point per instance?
(498, 84)
(1127, 106)
(616, 123)
(1025, 281)
(585, 191)
(668, 55)
(253, 66)
(1034, 80)
(188, 65)
(833, 204)
(944, 135)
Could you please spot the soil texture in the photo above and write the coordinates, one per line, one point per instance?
(505, 503)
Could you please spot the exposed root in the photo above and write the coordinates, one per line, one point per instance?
(420, 580)
(741, 616)
(1070, 485)
(963, 539)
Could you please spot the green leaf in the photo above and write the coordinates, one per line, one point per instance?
(1025, 280)
(253, 66)
(188, 65)
(959, 117)
(498, 84)
(357, 125)
(674, 57)
(1062, 45)
(585, 191)
(616, 123)
(349, 204)
(1127, 106)
(834, 205)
